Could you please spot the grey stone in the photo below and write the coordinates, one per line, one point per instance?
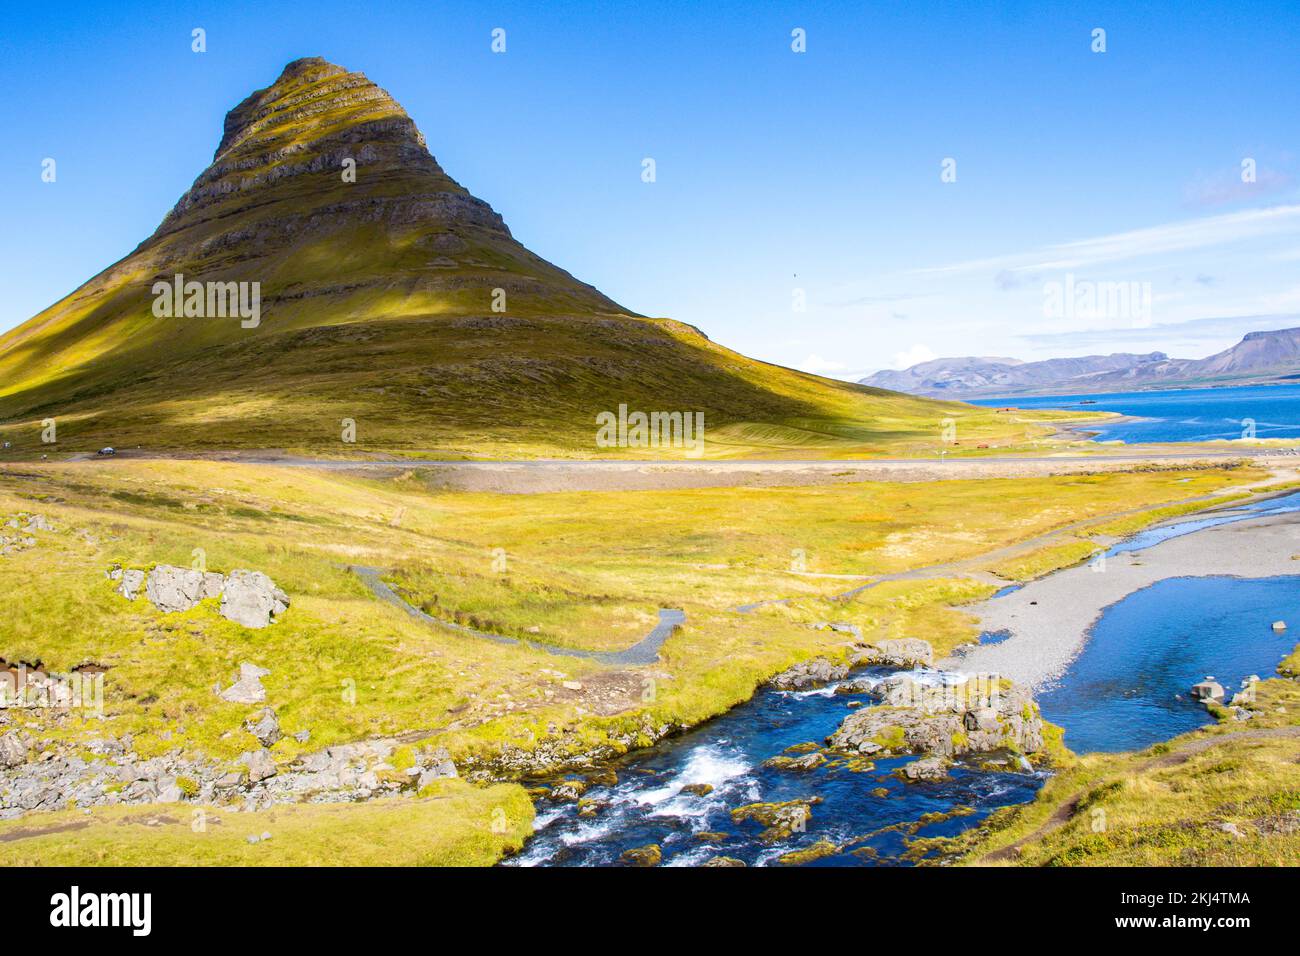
(810, 673)
(170, 794)
(251, 598)
(264, 726)
(1208, 690)
(927, 768)
(13, 751)
(982, 718)
(903, 652)
(171, 589)
(932, 720)
(230, 781)
(38, 523)
(132, 581)
(260, 765)
(248, 688)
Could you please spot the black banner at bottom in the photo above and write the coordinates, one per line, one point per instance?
(336, 906)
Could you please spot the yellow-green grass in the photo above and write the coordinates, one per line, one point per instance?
(452, 824)
(452, 391)
(1131, 524)
(585, 569)
(1046, 560)
(620, 555)
(1166, 805)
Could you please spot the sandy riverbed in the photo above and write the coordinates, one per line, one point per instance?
(1049, 619)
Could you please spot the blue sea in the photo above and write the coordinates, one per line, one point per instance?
(1184, 415)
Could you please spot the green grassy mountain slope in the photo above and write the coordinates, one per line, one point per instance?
(376, 304)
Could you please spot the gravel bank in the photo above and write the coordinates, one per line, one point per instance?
(1049, 619)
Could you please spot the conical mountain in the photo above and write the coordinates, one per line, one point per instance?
(386, 294)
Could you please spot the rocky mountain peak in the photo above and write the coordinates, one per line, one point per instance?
(302, 129)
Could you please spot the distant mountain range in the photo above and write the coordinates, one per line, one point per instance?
(1260, 357)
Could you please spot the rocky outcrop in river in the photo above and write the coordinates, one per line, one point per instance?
(819, 671)
(977, 714)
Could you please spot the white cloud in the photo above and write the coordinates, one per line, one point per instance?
(1208, 231)
(820, 366)
(913, 356)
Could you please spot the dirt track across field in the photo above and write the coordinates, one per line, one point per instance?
(552, 475)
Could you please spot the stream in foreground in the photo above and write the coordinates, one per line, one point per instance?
(1128, 689)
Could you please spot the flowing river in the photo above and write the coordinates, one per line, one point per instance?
(1128, 689)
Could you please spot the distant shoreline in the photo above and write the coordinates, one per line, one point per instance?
(973, 397)
(1068, 430)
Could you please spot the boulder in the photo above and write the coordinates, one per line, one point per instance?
(38, 523)
(131, 582)
(260, 764)
(698, 789)
(982, 718)
(171, 589)
(977, 715)
(171, 793)
(264, 726)
(13, 751)
(723, 861)
(780, 819)
(1208, 690)
(248, 688)
(643, 855)
(904, 652)
(810, 673)
(251, 598)
(569, 790)
(230, 781)
(801, 764)
(927, 768)
(436, 765)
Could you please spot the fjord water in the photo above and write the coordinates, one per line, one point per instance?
(1182, 415)
(1129, 687)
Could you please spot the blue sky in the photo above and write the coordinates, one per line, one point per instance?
(778, 173)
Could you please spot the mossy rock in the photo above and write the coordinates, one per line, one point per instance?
(698, 789)
(803, 748)
(781, 819)
(649, 855)
(819, 850)
(798, 764)
(603, 777)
